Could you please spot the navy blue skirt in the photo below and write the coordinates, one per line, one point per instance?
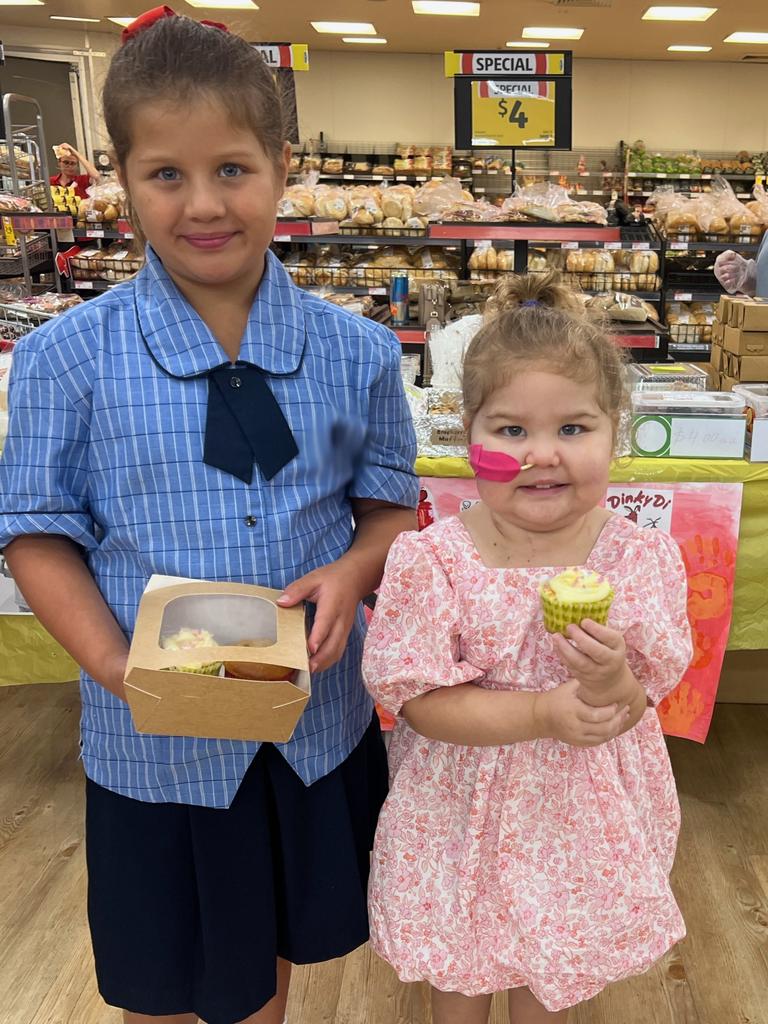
(190, 907)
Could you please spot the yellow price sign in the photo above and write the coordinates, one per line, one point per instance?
(8, 233)
(513, 114)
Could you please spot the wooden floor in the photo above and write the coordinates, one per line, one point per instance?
(718, 975)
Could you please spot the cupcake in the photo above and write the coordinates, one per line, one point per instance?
(186, 640)
(256, 670)
(573, 595)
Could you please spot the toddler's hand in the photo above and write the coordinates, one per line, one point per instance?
(596, 655)
(563, 716)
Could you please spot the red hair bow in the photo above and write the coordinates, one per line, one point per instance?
(150, 17)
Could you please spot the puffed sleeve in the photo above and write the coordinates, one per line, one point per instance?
(412, 644)
(385, 470)
(44, 464)
(659, 646)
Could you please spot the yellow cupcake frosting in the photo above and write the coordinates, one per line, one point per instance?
(575, 585)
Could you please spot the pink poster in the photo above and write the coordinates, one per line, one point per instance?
(704, 520)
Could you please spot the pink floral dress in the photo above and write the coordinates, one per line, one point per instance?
(536, 863)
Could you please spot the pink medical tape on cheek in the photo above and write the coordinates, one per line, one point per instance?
(495, 466)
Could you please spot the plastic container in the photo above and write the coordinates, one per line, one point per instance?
(667, 377)
(688, 425)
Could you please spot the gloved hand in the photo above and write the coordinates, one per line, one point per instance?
(735, 273)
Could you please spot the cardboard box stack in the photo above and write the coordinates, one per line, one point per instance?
(739, 342)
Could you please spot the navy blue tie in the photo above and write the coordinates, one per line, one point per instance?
(245, 424)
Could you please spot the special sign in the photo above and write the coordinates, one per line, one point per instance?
(284, 55)
(457, 63)
(513, 114)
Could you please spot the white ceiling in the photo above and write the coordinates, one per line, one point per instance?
(613, 31)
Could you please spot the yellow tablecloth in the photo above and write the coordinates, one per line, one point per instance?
(749, 630)
(29, 655)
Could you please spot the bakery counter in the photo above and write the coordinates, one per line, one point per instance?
(749, 628)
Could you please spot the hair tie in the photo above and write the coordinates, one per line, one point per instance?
(146, 20)
(530, 302)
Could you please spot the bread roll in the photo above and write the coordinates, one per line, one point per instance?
(682, 223)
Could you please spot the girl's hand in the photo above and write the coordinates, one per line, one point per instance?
(563, 716)
(334, 589)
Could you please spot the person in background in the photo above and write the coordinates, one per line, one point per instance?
(737, 274)
(69, 164)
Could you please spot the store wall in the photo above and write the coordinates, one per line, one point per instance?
(671, 104)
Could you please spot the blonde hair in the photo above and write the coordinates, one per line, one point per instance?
(534, 320)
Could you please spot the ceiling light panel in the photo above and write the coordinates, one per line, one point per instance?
(225, 5)
(667, 13)
(455, 8)
(368, 40)
(123, 22)
(681, 48)
(554, 32)
(747, 37)
(527, 44)
(344, 28)
(62, 17)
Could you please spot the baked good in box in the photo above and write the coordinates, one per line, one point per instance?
(384, 169)
(333, 165)
(572, 596)
(187, 639)
(331, 202)
(257, 670)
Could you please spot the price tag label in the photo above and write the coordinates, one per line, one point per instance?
(278, 238)
(128, 234)
(84, 286)
(685, 177)
(492, 172)
(400, 177)
(640, 246)
(94, 234)
(569, 245)
(419, 178)
(611, 245)
(477, 170)
(377, 291)
(683, 296)
(660, 174)
(679, 246)
(513, 113)
(348, 177)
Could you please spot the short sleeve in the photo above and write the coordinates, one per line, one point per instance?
(412, 645)
(385, 469)
(44, 464)
(659, 647)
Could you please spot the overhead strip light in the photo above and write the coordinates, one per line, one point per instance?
(747, 37)
(552, 33)
(679, 13)
(455, 8)
(123, 22)
(61, 17)
(344, 28)
(22, 3)
(368, 40)
(689, 49)
(226, 5)
(527, 44)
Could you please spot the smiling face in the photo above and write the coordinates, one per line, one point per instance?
(556, 425)
(205, 193)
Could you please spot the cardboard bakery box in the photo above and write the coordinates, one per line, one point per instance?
(749, 314)
(248, 630)
(748, 369)
(726, 382)
(718, 330)
(742, 343)
(723, 309)
(716, 358)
